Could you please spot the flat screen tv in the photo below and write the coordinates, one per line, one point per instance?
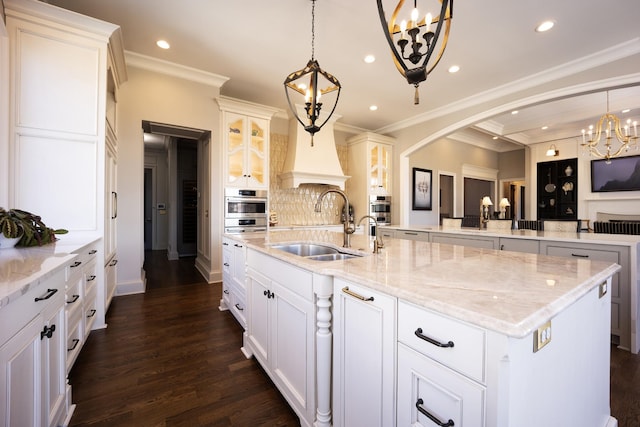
(622, 174)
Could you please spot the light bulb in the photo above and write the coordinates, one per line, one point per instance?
(427, 20)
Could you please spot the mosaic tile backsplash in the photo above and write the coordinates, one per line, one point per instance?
(295, 206)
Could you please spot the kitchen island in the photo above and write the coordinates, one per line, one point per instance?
(424, 331)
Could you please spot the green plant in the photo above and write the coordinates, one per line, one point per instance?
(34, 232)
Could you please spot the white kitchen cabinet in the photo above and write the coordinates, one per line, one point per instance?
(620, 284)
(486, 242)
(519, 245)
(233, 279)
(370, 158)
(33, 356)
(245, 128)
(280, 329)
(363, 357)
(62, 67)
(111, 281)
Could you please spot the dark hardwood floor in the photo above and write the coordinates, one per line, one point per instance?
(169, 357)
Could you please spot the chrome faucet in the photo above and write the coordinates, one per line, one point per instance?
(348, 229)
(378, 243)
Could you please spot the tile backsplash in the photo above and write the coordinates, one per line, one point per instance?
(295, 206)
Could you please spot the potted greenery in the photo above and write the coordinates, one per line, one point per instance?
(25, 229)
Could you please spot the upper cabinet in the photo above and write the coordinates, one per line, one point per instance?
(370, 159)
(558, 189)
(245, 128)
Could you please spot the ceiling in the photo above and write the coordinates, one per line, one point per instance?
(257, 43)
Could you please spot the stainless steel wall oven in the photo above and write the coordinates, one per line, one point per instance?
(245, 211)
(380, 209)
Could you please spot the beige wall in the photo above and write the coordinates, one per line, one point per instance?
(160, 98)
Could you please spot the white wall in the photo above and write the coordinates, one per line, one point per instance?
(4, 113)
(164, 99)
(157, 161)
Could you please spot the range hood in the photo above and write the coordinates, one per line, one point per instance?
(305, 164)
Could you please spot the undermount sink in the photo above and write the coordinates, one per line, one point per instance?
(314, 251)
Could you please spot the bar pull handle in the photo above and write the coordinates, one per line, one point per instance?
(49, 294)
(75, 344)
(239, 308)
(226, 264)
(92, 313)
(355, 295)
(75, 298)
(76, 264)
(226, 291)
(92, 251)
(433, 418)
(237, 245)
(91, 278)
(419, 334)
(580, 256)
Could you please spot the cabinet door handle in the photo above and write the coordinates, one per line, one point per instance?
(419, 334)
(47, 331)
(92, 313)
(580, 256)
(355, 295)
(239, 308)
(433, 418)
(49, 294)
(91, 278)
(502, 247)
(114, 195)
(75, 298)
(75, 344)
(269, 294)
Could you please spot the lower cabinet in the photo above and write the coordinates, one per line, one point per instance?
(485, 242)
(412, 235)
(281, 330)
(233, 279)
(33, 357)
(519, 245)
(364, 325)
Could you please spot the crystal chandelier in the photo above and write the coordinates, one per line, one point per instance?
(420, 34)
(320, 83)
(609, 127)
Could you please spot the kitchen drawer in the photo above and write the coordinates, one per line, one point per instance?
(467, 355)
(75, 338)
(238, 308)
(412, 235)
(90, 277)
(485, 242)
(90, 310)
(519, 245)
(443, 393)
(226, 291)
(73, 296)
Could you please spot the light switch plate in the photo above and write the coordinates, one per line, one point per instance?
(603, 289)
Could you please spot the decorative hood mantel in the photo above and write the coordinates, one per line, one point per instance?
(305, 164)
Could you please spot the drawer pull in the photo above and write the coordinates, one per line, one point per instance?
(76, 264)
(423, 411)
(226, 291)
(75, 344)
(406, 233)
(75, 298)
(226, 264)
(580, 256)
(355, 295)
(92, 251)
(239, 308)
(225, 244)
(237, 245)
(502, 247)
(269, 294)
(92, 313)
(419, 334)
(47, 332)
(112, 263)
(91, 278)
(49, 294)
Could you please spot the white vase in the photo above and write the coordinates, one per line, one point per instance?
(8, 242)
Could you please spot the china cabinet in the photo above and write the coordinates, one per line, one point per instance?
(245, 128)
(370, 158)
(558, 189)
(65, 70)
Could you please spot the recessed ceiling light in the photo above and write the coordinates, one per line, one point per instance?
(626, 110)
(454, 69)
(373, 107)
(545, 26)
(495, 137)
(369, 59)
(163, 44)
(545, 127)
(514, 112)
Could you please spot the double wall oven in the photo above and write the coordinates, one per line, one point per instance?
(245, 211)
(380, 209)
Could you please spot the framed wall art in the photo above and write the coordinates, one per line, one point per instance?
(422, 189)
(622, 174)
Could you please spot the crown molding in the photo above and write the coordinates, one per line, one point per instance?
(144, 62)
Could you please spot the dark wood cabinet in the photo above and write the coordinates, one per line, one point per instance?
(558, 189)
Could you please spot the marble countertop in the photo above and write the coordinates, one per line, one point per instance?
(584, 237)
(23, 268)
(508, 292)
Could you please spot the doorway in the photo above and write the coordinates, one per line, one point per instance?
(447, 196)
(474, 191)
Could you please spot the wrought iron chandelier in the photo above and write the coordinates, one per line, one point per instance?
(609, 126)
(320, 83)
(419, 30)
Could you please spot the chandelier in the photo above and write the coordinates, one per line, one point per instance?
(413, 63)
(609, 127)
(312, 83)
